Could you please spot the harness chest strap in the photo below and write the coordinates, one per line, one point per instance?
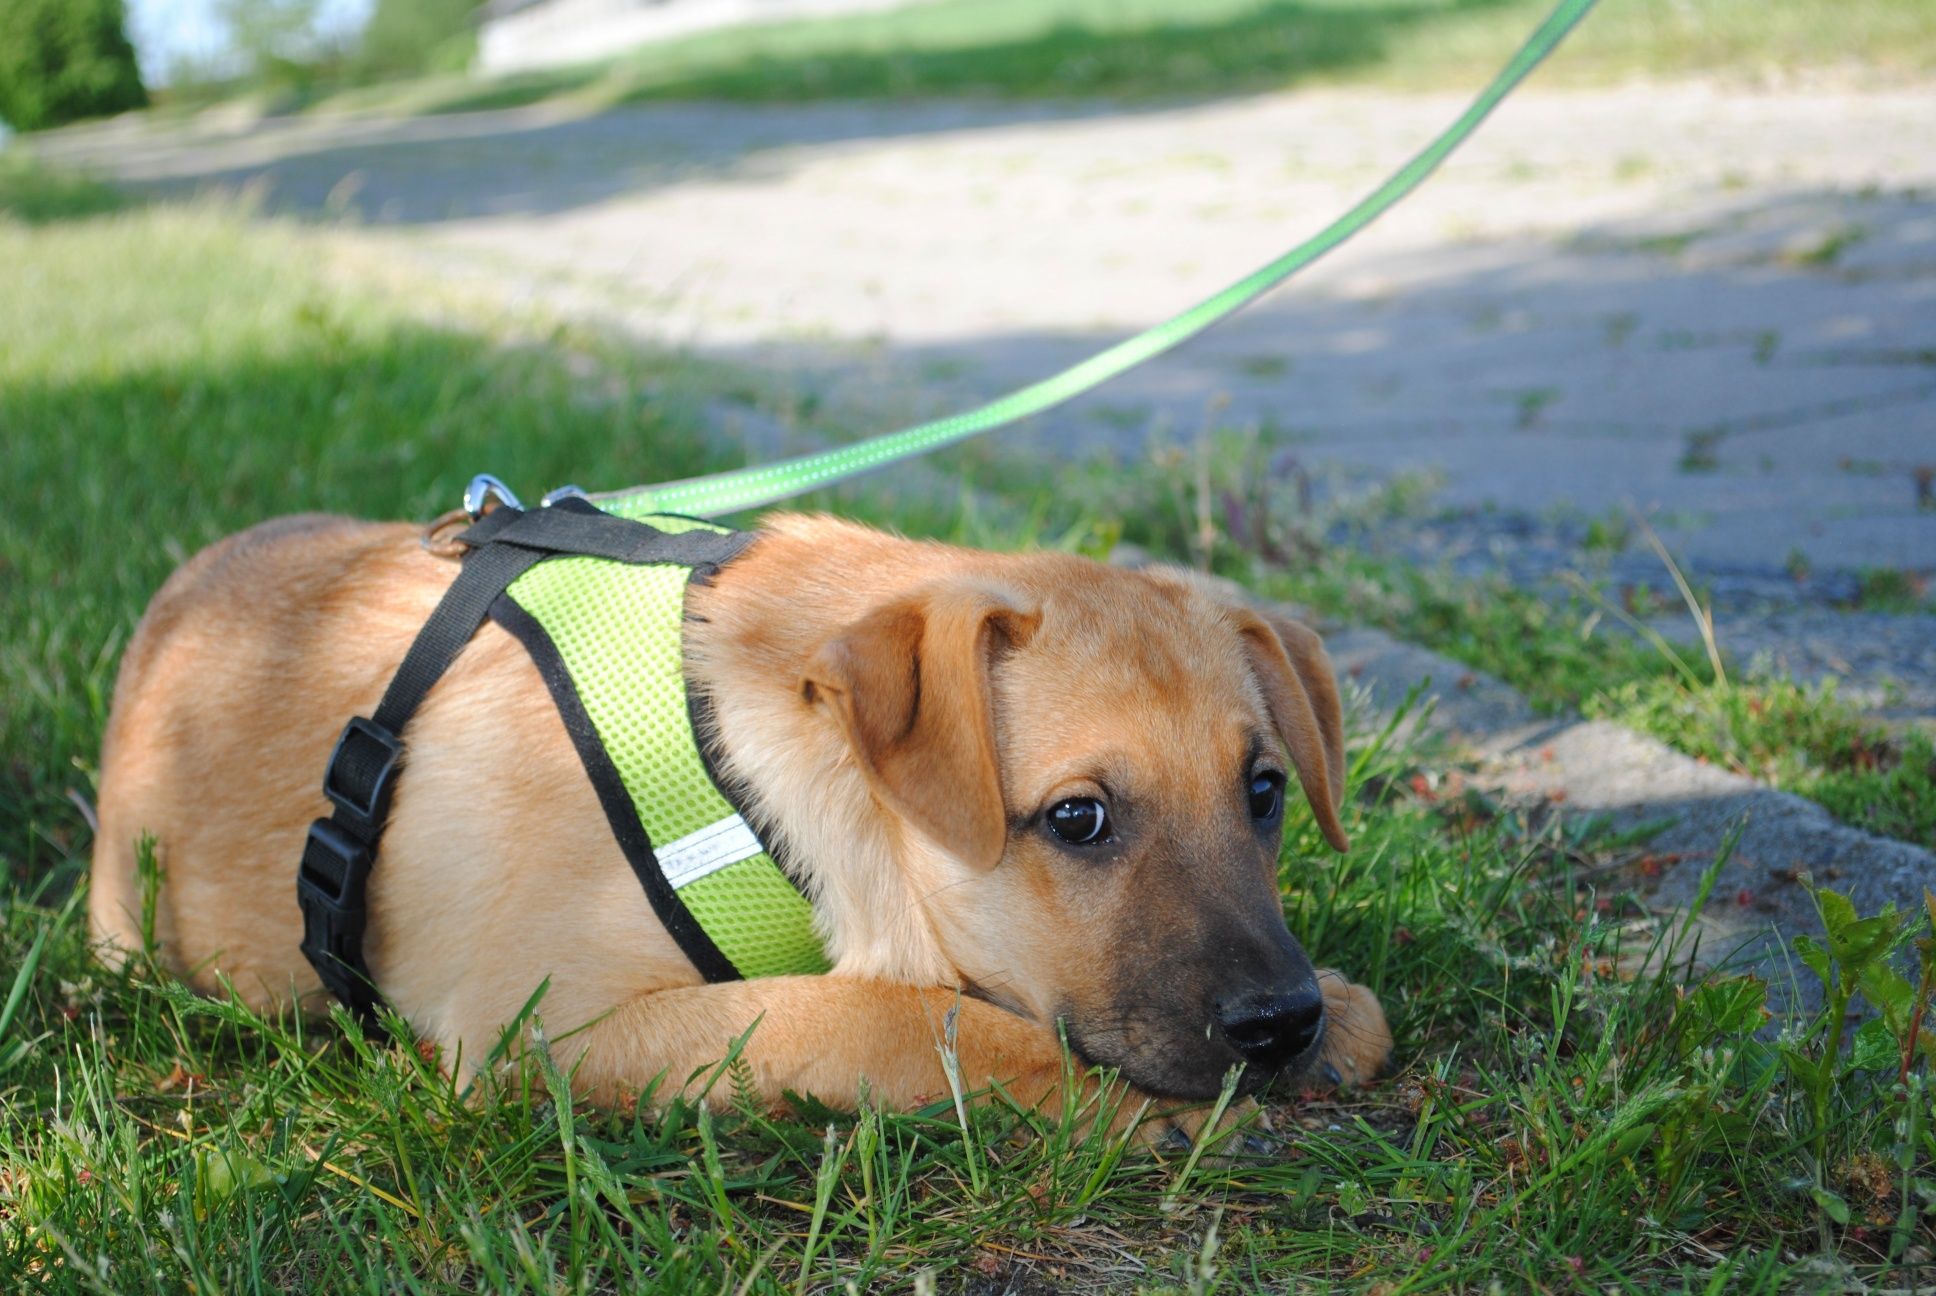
(598, 602)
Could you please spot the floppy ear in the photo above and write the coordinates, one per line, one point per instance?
(1302, 695)
(909, 686)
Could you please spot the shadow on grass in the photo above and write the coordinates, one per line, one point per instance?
(36, 195)
(463, 163)
(108, 485)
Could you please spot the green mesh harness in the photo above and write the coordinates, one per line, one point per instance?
(607, 637)
(599, 603)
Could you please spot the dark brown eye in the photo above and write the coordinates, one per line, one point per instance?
(1079, 821)
(1266, 796)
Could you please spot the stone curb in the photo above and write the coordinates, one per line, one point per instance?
(1596, 767)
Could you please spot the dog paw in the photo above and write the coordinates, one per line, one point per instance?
(1242, 1132)
(1357, 1041)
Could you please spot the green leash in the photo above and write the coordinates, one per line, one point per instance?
(745, 488)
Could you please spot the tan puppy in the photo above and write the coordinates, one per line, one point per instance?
(907, 718)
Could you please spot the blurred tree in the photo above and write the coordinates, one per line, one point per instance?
(277, 39)
(61, 60)
(410, 37)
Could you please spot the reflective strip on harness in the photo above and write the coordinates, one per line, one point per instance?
(707, 851)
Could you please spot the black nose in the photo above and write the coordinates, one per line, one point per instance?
(1269, 1028)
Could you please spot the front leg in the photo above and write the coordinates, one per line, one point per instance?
(819, 1035)
(828, 1036)
(1357, 1041)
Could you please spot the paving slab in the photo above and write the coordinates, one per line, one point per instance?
(1691, 810)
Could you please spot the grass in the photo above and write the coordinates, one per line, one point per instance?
(1565, 652)
(33, 194)
(1145, 48)
(1891, 589)
(1565, 1118)
(1802, 738)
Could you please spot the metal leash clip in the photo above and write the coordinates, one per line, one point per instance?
(484, 492)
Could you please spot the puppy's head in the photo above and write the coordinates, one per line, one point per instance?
(1089, 770)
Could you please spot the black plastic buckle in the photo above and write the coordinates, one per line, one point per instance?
(362, 774)
(333, 889)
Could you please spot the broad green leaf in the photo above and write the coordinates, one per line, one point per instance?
(1838, 912)
(222, 1173)
(1889, 991)
(1633, 1140)
(1834, 1206)
(1814, 956)
(1866, 941)
(1806, 1070)
(1875, 1047)
(1728, 1007)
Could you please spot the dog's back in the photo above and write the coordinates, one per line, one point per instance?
(237, 656)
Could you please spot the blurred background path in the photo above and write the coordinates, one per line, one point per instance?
(1715, 307)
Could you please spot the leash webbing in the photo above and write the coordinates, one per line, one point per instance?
(745, 488)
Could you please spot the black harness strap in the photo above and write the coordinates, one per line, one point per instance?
(572, 526)
(332, 885)
(621, 815)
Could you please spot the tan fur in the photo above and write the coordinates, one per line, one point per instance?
(897, 710)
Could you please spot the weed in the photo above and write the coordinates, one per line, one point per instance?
(1854, 964)
(1264, 366)
(1633, 166)
(1826, 248)
(1611, 532)
(1667, 245)
(1892, 589)
(1619, 327)
(943, 369)
(1698, 450)
(1122, 418)
(1531, 403)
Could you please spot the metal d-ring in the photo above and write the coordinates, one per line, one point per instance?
(483, 490)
